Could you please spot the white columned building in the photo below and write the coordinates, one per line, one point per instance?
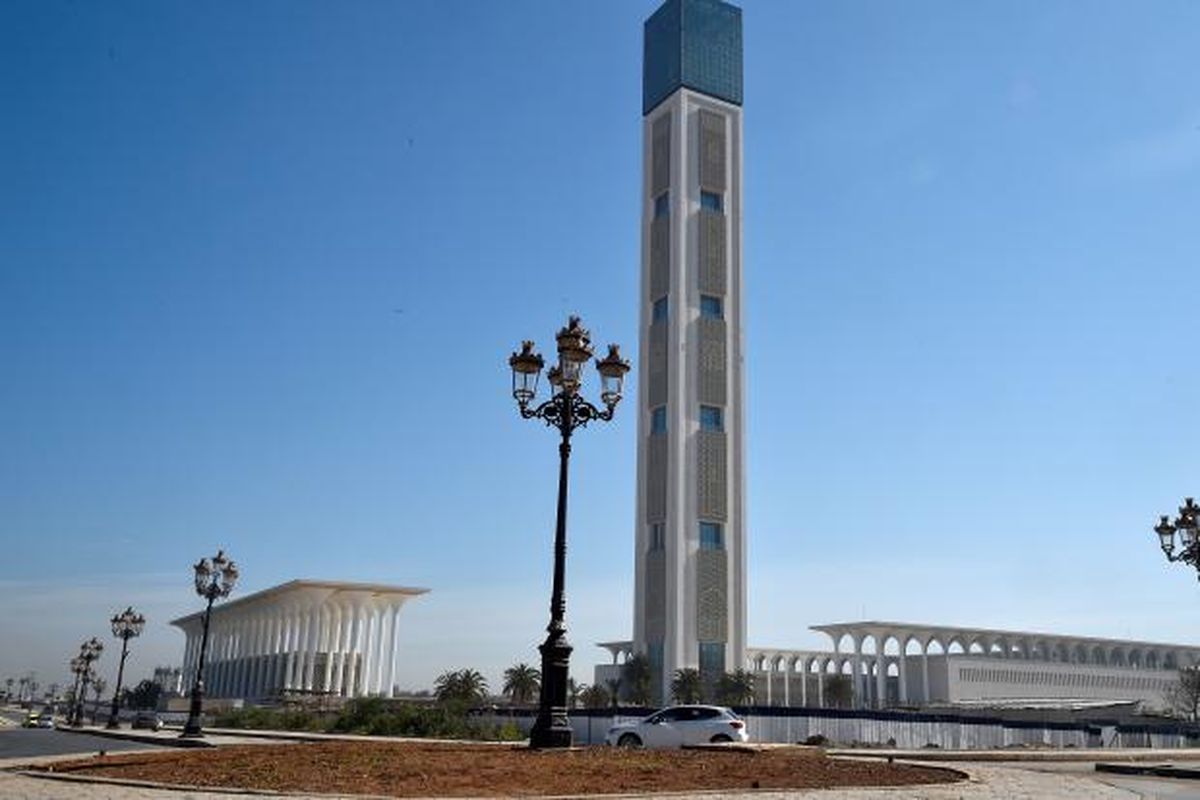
(690, 588)
(301, 636)
(898, 664)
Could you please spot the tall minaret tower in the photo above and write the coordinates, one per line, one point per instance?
(690, 583)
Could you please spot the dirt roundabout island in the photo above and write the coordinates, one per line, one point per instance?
(403, 769)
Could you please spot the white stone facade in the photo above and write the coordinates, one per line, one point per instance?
(690, 596)
(318, 637)
(898, 664)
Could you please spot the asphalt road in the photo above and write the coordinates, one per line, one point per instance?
(26, 742)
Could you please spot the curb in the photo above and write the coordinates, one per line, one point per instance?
(1157, 770)
(138, 737)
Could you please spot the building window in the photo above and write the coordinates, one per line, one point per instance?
(712, 201)
(662, 205)
(712, 658)
(711, 307)
(658, 420)
(659, 312)
(711, 419)
(710, 536)
(656, 535)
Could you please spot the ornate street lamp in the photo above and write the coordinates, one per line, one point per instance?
(214, 578)
(125, 626)
(1187, 525)
(81, 665)
(566, 411)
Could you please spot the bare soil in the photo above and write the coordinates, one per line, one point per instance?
(402, 769)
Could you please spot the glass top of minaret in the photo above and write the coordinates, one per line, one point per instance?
(695, 44)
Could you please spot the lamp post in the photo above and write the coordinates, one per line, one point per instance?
(125, 626)
(1187, 524)
(565, 411)
(81, 665)
(214, 578)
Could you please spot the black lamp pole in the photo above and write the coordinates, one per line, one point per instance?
(125, 626)
(214, 579)
(1187, 524)
(566, 411)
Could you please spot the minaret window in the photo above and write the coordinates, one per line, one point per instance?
(659, 312)
(712, 201)
(711, 537)
(712, 658)
(656, 536)
(658, 420)
(662, 205)
(711, 307)
(711, 419)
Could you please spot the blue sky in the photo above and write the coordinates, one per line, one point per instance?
(261, 265)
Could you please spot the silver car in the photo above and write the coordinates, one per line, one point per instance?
(678, 726)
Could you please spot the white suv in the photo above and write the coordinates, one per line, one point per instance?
(678, 726)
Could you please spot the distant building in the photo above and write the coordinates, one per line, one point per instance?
(899, 664)
(950, 666)
(315, 637)
(169, 680)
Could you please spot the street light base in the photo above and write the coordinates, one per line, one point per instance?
(552, 728)
(113, 725)
(556, 735)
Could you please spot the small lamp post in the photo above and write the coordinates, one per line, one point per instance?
(214, 578)
(125, 626)
(565, 411)
(1187, 525)
(89, 651)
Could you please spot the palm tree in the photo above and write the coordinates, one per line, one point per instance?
(8, 683)
(686, 686)
(636, 677)
(593, 696)
(736, 688)
(461, 686)
(521, 683)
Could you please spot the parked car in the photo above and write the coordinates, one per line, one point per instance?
(147, 720)
(31, 720)
(678, 726)
(45, 720)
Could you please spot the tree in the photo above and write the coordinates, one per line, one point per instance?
(593, 696)
(522, 683)
(144, 695)
(686, 686)
(839, 691)
(636, 678)
(98, 687)
(8, 683)
(736, 688)
(465, 686)
(1183, 696)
